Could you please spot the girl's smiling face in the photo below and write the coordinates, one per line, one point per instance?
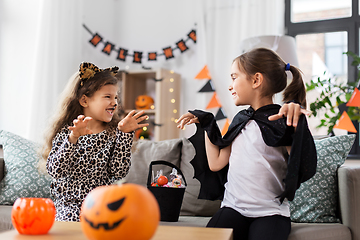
(102, 105)
(240, 87)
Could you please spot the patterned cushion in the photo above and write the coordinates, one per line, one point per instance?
(22, 178)
(317, 199)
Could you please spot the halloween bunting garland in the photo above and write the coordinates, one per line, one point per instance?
(214, 102)
(137, 56)
(344, 121)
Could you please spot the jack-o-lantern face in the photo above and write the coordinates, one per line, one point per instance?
(114, 206)
(144, 102)
(33, 216)
(127, 211)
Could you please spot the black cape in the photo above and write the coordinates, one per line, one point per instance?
(301, 162)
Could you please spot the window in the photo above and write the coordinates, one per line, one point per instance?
(313, 10)
(324, 30)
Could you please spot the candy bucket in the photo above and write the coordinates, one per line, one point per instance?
(169, 198)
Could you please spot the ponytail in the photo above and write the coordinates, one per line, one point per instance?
(296, 89)
(273, 68)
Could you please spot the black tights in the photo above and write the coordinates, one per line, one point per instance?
(274, 227)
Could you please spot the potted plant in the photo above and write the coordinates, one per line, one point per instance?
(333, 97)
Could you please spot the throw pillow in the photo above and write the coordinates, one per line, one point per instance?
(146, 151)
(316, 200)
(22, 178)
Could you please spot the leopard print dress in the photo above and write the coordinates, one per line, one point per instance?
(76, 169)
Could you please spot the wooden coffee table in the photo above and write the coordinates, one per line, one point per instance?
(72, 230)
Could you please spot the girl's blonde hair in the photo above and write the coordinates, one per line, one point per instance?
(268, 63)
(69, 107)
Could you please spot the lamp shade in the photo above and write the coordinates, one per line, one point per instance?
(283, 45)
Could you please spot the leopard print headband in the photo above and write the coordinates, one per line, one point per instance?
(88, 70)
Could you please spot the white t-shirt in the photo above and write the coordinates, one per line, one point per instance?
(255, 176)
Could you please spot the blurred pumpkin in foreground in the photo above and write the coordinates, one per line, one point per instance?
(33, 216)
(126, 211)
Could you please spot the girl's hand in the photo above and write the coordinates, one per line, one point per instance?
(187, 119)
(292, 111)
(79, 128)
(131, 121)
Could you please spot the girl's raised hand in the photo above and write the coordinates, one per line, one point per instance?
(292, 112)
(80, 128)
(131, 121)
(187, 119)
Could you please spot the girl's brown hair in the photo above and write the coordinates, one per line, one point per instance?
(272, 67)
(70, 108)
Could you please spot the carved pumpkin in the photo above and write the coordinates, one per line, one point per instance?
(127, 211)
(33, 216)
(144, 102)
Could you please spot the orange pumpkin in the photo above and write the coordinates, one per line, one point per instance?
(126, 211)
(144, 102)
(33, 216)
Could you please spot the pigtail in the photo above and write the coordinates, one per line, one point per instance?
(296, 89)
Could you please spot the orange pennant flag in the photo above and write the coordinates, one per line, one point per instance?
(345, 123)
(226, 127)
(355, 99)
(213, 102)
(203, 74)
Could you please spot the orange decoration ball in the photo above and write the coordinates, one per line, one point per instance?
(162, 180)
(126, 211)
(33, 216)
(144, 102)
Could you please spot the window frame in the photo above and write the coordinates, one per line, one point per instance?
(349, 24)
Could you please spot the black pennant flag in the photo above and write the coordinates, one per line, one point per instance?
(192, 35)
(95, 40)
(207, 87)
(137, 57)
(220, 115)
(122, 53)
(152, 56)
(182, 46)
(168, 52)
(108, 48)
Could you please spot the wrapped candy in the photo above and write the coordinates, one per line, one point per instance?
(173, 175)
(158, 174)
(174, 180)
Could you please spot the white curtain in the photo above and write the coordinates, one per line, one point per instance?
(18, 29)
(58, 54)
(48, 42)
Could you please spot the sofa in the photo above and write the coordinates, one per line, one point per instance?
(197, 212)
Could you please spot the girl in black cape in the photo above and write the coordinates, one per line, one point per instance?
(256, 167)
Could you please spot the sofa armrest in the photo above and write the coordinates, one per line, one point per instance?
(349, 196)
(2, 163)
(2, 167)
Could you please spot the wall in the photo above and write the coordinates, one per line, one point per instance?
(42, 44)
(150, 26)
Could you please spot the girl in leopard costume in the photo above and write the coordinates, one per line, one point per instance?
(87, 146)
